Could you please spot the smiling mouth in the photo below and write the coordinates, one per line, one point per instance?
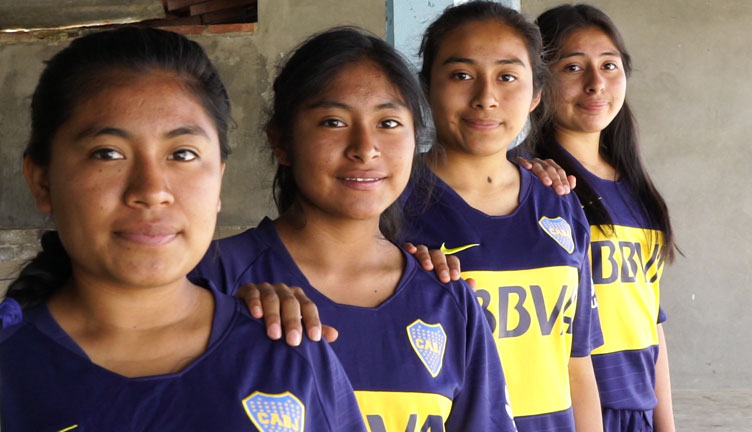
(362, 183)
(482, 124)
(362, 179)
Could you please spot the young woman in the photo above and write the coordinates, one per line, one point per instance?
(127, 150)
(593, 135)
(526, 247)
(343, 128)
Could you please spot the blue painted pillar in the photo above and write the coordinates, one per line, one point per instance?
(406, 20)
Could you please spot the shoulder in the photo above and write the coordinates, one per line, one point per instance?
(432, 290)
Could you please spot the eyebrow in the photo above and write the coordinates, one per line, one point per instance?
(95, 131)
(187, 130)
(328, 103)
(578, 53)
(505, 61)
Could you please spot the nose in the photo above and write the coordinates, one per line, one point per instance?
(595, 82)
(363, 145)
(148, 186)
(485, 94)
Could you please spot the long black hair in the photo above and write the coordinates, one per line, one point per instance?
(309, 70)
(81, 70)
(619, 143)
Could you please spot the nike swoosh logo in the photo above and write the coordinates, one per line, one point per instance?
(450, 251)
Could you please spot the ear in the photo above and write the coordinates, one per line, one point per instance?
(275, 140)
(536, 100)
(37, 177)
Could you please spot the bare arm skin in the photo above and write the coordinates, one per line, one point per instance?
(586, 401)
(663, 414)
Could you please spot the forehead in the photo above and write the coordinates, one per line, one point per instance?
(590, 40)
(361, 82)
(157, 99)
(483, 41)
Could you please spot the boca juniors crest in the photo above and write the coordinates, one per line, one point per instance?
(429, 342)
(559, 230)
(275, 412)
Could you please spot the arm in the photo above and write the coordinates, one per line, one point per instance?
(663, 414)
(586, 402)
(550, 174)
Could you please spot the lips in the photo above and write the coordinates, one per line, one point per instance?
(593, 105)
(148, 234)
(481, 124)
(362, 180)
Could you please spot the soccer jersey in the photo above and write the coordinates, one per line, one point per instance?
(421, 360)
(533, 279)
(243, 381)
(627, 267)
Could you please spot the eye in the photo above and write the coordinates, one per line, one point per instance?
(507, 78)
(461, 76)
(183, 155)
(332, 123)
(106, 154)
(610, 66)
(572, 68)
(390, 124)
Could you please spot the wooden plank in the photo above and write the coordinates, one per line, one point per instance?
(238, 14)
(215, 5)
(180, 4)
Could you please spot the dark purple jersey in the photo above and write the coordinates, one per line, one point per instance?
(421, 360)
(243, 381)
(627, 266)
(533, 277)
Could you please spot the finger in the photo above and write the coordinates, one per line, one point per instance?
(270, 304)
(330, 333)
(409, 247)
(524, 163)
(425, 257)
(310, 314)
(472, 283)
(439, 260)
(572, 181)
(539, 169)
(251, 295)
(291, 316)
(454, 267)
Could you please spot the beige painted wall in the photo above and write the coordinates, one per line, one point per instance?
(691, 93)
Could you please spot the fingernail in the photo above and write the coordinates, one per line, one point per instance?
(256, 311)
(275, 331)
(293, 337)
(315, 334)
(444, 274)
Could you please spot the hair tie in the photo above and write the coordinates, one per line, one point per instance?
(10, 313)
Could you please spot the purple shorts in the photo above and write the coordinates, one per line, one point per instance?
(627, 420)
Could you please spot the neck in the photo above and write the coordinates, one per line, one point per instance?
(585, 147)
(347, 260)
(466, 172)
(103, 305)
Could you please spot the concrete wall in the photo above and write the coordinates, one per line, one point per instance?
(691, 94)
(246, 63)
